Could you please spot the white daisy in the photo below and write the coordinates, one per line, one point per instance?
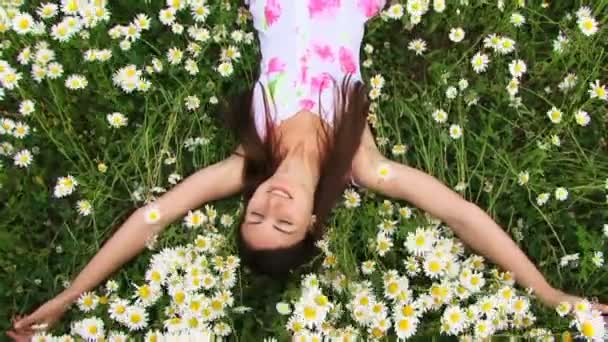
(588, 25)
(117, 120)
(225, 69)
(582, 117)
(517, 68)
(152, 214)
(89, 328)
(439, 115)
(456, 34)
(84, 207)
(23, 23)
(598, 90)
(87, 301)
(555, 115)
(561, 193)
(480, 62)
(23, 158)
(455, 131)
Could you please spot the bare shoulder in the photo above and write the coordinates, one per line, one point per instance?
(366, 159)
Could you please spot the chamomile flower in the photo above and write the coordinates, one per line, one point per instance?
(505, 46)
(226, 220)
(523, 177)
(555, 115)
(563, 308)
(541, 199)
(405, 326)
(438, 5)
(152, 214)
(175, 55)
(368, 267)
(377, 81)
(582, 118)
(455, 131)
(89, 328)
(588, 25)
(517, 19)
(65, 186)
(561, 194)
(117, 120)
(418, 46)
(440, 115)
(591, 327)
(84, 207)
(598, 258)
(383, 171)
(383, 244)
(192, 103)
(47, 10)
(517, 68)
(87, 301)
(54, 70)
(23, 23)
(225, 69)
(75, 82)
(399, 149)
(136, 318)
(23, 158)
(598, 91)
(195, 219)
(231, 53)
(454, 320)
(351, 199)
(480, 62)
(374, 93)
(456, 34)
(395, 11)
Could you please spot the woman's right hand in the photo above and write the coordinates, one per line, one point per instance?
(49, 313)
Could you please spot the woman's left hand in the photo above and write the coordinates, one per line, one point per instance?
(559, 296)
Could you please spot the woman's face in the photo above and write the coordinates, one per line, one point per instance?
(278, 214)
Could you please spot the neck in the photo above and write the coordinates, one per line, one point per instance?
(302, 160)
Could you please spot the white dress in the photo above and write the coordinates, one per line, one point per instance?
(307, 46)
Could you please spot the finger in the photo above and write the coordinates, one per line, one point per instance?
(25, 322)
(18, 337)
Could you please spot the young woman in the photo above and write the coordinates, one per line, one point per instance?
(303, 137)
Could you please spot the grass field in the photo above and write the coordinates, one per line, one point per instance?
(523, 137)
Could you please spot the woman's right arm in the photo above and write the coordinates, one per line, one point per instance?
(216, 181)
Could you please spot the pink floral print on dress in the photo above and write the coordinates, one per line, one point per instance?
(347, 61)
(272, 11)
(369, 7)
(312, 46)
(275, 65)
(320, 82)
(324, 8)
(324, 52)
(307, 104)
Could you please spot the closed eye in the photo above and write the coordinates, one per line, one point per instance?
(253, 213)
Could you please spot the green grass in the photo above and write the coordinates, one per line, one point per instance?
(44, 242)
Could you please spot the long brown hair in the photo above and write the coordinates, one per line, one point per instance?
(262, 157)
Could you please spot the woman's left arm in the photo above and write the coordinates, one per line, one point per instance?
(470, 223)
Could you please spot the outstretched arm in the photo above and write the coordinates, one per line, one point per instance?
(470, 223)
(213, 182)
(216, 181)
